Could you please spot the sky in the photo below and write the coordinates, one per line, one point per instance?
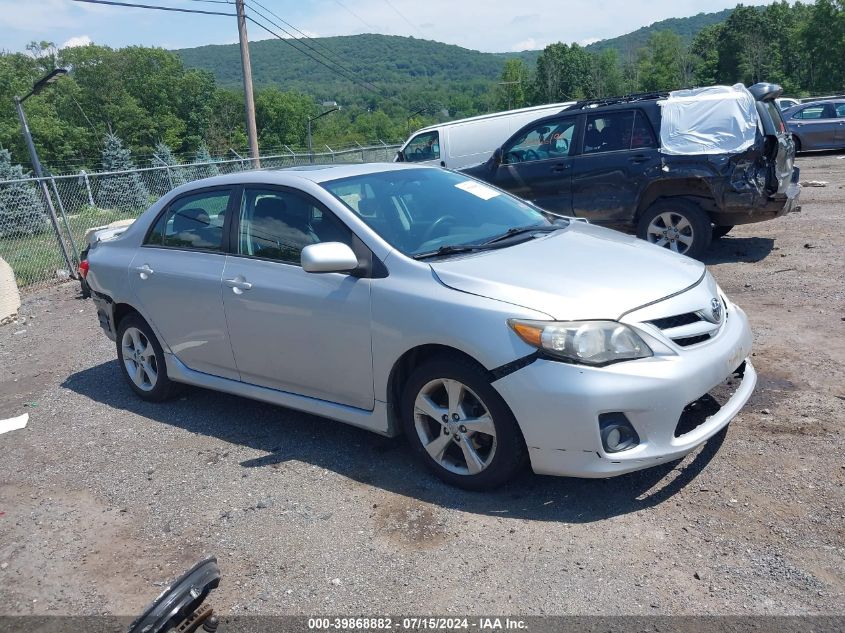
(486, 25)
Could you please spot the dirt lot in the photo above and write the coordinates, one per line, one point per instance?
(103, 496)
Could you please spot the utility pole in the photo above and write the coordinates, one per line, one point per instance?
(36, 164)
(249, 100)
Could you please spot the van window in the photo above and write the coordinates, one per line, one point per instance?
(821, 111)
(425, 146)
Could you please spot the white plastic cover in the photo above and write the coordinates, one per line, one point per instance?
(713, 120)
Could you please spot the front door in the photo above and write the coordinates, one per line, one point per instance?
(816, 126)
(620, 157)
(176, 276)
(840, 124)
(290, 330)
(537, 164)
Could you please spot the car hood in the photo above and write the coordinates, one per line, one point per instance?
(581, 272)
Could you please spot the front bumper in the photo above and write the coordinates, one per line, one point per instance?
(558, 405)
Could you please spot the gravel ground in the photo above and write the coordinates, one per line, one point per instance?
(103, 497)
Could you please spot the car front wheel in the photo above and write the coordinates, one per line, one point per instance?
(676, 224)
(142, 359)
(460, 426)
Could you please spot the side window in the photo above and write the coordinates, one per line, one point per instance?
(192, 222)
(812, 112)
(550, 139)
(277, 225)
(840, 110)
(617, 131)
(423, 147)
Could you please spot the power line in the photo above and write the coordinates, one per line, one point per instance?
(158, 8)
(331, 58)
(314, 59)
(407, 21)
(355, 15)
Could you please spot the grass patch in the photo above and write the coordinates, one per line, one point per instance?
(36, 258)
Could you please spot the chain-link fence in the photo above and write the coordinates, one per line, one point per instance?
(38, 255)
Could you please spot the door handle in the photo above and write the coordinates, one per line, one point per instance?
(144, 271)
(639, 159)
(238, 284)
(557, 169)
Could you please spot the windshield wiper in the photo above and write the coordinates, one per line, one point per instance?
(521, 230)
(452, 250)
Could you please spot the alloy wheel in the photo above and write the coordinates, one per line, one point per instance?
(139, 359)
(671, 230)
(454, 426)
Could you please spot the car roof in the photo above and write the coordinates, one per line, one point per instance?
(290, 175)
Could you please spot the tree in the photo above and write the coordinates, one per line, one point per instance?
(21, 210)
(171, 177)
(563, 73)
(206, 167)
(514, 83)
(606, 79)
(705, 50)
(123, 191)
(664, 63)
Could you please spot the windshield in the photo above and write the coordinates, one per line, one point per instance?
(422, 210)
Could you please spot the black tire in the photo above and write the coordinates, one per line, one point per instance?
(721, 231)
(510, 453)
(797, 142)
(164, 388)
(700, 228)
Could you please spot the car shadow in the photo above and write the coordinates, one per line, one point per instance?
(729, 249)
(387, 463)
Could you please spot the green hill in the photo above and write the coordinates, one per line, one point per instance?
(394, 64)
(687, 28)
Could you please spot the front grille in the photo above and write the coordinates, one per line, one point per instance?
(676, 321)
(674, 328)
(691, 340)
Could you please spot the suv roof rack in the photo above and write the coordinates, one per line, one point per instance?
(606, 101)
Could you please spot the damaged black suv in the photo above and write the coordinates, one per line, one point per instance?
(679, 168)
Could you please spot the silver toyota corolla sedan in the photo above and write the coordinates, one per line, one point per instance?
(417, 300)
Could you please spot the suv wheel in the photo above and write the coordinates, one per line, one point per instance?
(460, 426)
(142, 359)
(677, 224)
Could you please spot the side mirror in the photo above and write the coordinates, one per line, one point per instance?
(328, 257)
(400, 156)
(498, 156)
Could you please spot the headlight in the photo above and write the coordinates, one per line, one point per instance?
(586, 342)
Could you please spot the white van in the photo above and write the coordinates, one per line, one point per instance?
(465, 142)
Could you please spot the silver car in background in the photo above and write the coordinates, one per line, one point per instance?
(416, 300)
(817, 125)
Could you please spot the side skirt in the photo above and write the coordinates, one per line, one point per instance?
(375, 420)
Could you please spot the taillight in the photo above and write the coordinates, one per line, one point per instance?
(83, 268)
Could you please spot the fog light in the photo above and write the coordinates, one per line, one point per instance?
(617, 434)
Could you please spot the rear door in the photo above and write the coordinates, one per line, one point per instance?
(840, 124)
(176, 276)
(537, 164)
(816, 126)
(619, 158)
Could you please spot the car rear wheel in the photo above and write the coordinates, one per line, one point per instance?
(676, 224)
(797, 142)
(142, 360)
(460, 427)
